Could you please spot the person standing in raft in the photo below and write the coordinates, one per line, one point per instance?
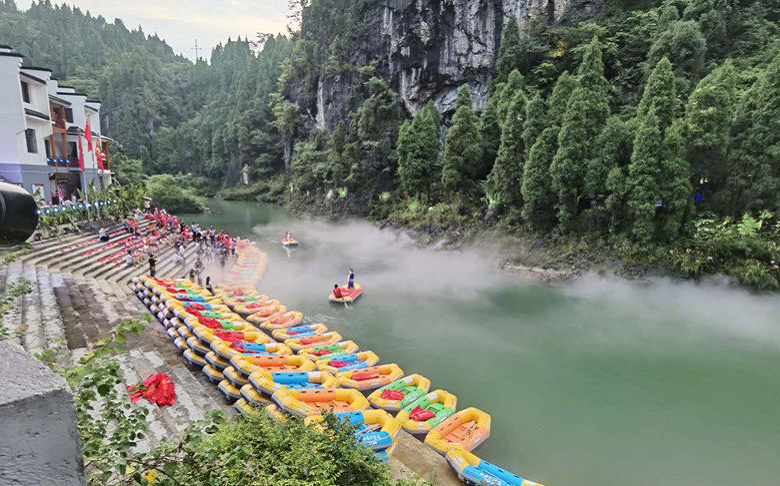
(152, 265)
(351, 279)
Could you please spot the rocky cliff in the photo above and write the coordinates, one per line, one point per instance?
(427, 49)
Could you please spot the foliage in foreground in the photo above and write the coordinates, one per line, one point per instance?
(214, 452)
(171, 193)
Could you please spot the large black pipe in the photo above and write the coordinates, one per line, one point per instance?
(18, 214)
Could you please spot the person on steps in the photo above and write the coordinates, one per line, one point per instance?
(152, 265)
(208, 285)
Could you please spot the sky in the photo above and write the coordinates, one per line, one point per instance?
(180, 22)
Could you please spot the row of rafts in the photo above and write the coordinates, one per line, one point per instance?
(263, 356)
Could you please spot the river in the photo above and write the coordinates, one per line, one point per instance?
(599, 381)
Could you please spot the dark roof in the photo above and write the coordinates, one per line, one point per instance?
(73, 130)
(93, 101)
(53, 78)
(29, 76)
(4, 46)
(36, 68)
(59, 100)
(36, 114)
(65, 86)
(92, 108)
(11, 54)
(72, 94)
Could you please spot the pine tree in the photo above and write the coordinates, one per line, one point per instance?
(709, 115)
(538, 196)
(462, 148)
(660, 94)
(418, 151)
(613, 150)
(490, 129)
(504, 185)
(643, 176)
(586, 113)
(559, 99)
(535, 122)
(675, 181)
(509, 50)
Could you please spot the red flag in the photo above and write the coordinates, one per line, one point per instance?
(81, 155)
(88, 136)
(99, 156)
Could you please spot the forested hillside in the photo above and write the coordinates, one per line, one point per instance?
(168, 114)
(649, 130)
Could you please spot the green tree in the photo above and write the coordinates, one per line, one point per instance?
(504, 185)
(538, 197)
(709, 115)
(462, 148)
(684, 45)
(613, 151)
(643, 176)
(418, 152)
(586, 112)
(660, 94)
(535, 122)
(675, 182)
(509, 53)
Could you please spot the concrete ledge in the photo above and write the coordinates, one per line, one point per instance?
(39, 439)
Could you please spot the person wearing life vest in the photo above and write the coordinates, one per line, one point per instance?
(337, 291)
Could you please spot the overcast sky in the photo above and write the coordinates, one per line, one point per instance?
(180, 22)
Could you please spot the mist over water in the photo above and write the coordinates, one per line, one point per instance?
(599, 381)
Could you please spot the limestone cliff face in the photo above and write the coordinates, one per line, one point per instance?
(427, 49)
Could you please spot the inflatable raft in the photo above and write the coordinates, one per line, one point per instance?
(400, 393)
(227, 350)
(212, 374)
(299, 344)
(472, 470)
(304, 403)
(342, 348)
(350, 362)
(254, 397)
(375, 429)
(424, 414)
(348, 295)
(243, 407)
(266, 313)
(276, 414)
(246, 365)
(268, 383)
(249, 308)
(370, 378)
(216, 362)
(283, 321)
(289, 242)
(467, 429)
(230, 391)
(298, 331)
(208, 336)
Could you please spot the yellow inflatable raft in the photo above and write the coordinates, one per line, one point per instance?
(467, 429)
(370, 378)
(250, 308)
(227, 350)
(206, 335)
(197, 346)
(350, 362)
(400, 393)
(304, 403)
(216, 362)
(298, 331)
(276, 414)
(252, 396)
(330, 351)
(376, 429)
(266, 313)
(246, 365)
(243, 407)
(299, 344)
(428, 411)
(267, 383)
(228, 389)
(283, 321)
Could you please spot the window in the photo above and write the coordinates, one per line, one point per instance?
(32, 144)
(25, 92)
(47, 145)
(69, 115)
(73, 151)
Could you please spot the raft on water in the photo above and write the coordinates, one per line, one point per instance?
(267, 382)
(289, 242)
(400, 393)
(227, 350)
(282, 321)
(342, 348)
(246, 365)
(299, 331)
(465, 429)
(249, 308)
(348, 295)
(299, 344)
(350, 362)
(304, 403)
(428, 411)
(370, 378)
(266, 313)
(474, 471)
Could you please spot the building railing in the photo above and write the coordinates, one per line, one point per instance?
(62, 162)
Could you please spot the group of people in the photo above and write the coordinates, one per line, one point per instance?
(337, 292)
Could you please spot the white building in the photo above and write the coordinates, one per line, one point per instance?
(40, 124)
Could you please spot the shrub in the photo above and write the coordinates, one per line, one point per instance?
(170, 193)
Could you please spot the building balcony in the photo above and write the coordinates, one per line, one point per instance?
(62, 162)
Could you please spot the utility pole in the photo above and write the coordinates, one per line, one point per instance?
(197, 50)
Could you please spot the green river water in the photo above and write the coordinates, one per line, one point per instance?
(597, 382)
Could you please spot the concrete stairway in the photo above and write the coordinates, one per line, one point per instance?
(71, 312)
